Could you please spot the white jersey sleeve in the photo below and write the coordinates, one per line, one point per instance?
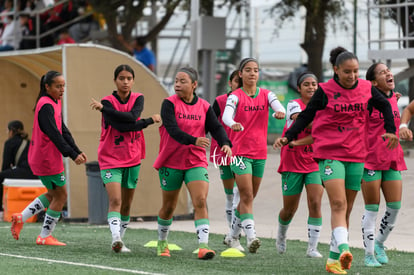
(230, 110)
(275, 103)
(292, 108)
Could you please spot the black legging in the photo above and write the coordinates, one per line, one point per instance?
(17, 173)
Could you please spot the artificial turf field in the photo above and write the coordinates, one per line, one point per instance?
(88, 252)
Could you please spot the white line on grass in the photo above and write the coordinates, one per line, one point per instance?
(81, 264)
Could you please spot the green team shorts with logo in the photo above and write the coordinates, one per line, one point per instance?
(350, 172)
(50, 182)
(292, 182)
(243, 166)
(172, 179)
(127, 176)
(383, 175)
(226, 173)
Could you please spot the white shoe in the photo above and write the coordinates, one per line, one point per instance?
(117, 244)
(227, 240)
(235, 243)
(313, 253)
(125, 249)
(253, 245)
(281, 245)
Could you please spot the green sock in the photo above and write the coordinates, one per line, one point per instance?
(343, 247)
(334, 255)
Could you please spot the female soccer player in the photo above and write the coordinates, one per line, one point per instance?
(50, 140)
(407, 114)
(298, 169)
(339, 113)
(121, 148)
(382, 171)
(219, 159)
(246, 113)
(182, 157)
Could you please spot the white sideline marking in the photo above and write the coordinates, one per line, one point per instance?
(81, 264)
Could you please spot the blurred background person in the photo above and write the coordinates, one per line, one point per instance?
(140, 51)
(11, 36)
(15, 164)
(65, 38)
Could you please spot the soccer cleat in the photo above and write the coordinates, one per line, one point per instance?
(227, 240)
(162, 249)
(346, 259)
(49, 240)
(17, 225)
(235, 243)
(281, 245)
(313, 253)
(125, 249)
(380, 254)
(371, 261)
(117, 245)
(205, 253)
(253, 245)
(335, 268)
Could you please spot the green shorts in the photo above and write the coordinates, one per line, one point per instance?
(172, 179)
(226, 173)
(50, 182)
(384, 175)
(127, 176)
(292, 183)
(245, 165)
(351, 172)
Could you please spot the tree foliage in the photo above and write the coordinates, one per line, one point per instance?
(319, 13)
(132, 12)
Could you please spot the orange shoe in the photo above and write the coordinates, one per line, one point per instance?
(49, 240)
(206, 253)
(346, 259)
(335, 268)
(17, 225)
(162, 249)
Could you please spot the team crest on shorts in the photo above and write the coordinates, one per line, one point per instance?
(285, 188)
(328, 170)
(242, 166)
(108, 174)
(164, 182)
(371, 172)
(62, 177)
